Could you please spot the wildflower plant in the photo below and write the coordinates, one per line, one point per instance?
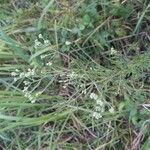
(100, 106)
(27, 78)
(65, 62)
(41, 42)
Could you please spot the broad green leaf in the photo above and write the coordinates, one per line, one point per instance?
(14, 47)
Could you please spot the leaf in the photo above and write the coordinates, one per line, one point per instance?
(12, 118)
(86, 19)
(133, 116)
(121, 106)
(17, 50)
(140, 19)
(146, 144)
(76, 30)
(81, 27)
(103, 38)
(34, 121)
(122, 11)
(44, 12)
(121, 32)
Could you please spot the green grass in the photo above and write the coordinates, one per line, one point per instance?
(100, 47)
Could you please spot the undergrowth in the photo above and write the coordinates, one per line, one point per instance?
(74, 75)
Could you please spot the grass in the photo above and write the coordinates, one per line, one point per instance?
(87, 47)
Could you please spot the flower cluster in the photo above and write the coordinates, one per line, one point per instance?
(28, 94)
(67, 43)
(113, 51)
(100, 106)
(43, 56)
(39, 44)
(84, 91)
(18, 74)
(49, 63)
(73, 75)
(111, 110)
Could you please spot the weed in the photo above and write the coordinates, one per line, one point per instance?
(74, 74)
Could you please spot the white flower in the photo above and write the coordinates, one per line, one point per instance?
(15, 79)
(37, 94)
(49, 64)
(26, 94)
(36, 40)
(16, 70)
(14, 74)
(94, 96)
(98, 108)
(29, 70)
(99, 102)
(43, 56)
(46, 42)
(84, 91)
(42, 71)
(25, 89)
(27, 74)
(32, 72)
(65, 86)
(40, 36)
(37, 44)
(67, 43)
(33, 101)
(97, 115)
(72, 75)
(30, 98)
(113, 51)
(26, 82)
(111, 110)
(21, 75)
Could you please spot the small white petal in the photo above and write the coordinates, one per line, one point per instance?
(67, 43)
(29, 69)
(98, 108)
(26, 82)
(33, 101)
(49, 64)
(84, 91)
(111, 110)
(99, 102)
(15, 79)
(26, 95)
(46, 42)
(14, 74)
(37, 94)
(16, 70)
(40, 36)
(97, 115)
(113, 51)
(21, 75)
(94, 96)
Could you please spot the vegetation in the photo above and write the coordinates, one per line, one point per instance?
(74, 74)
